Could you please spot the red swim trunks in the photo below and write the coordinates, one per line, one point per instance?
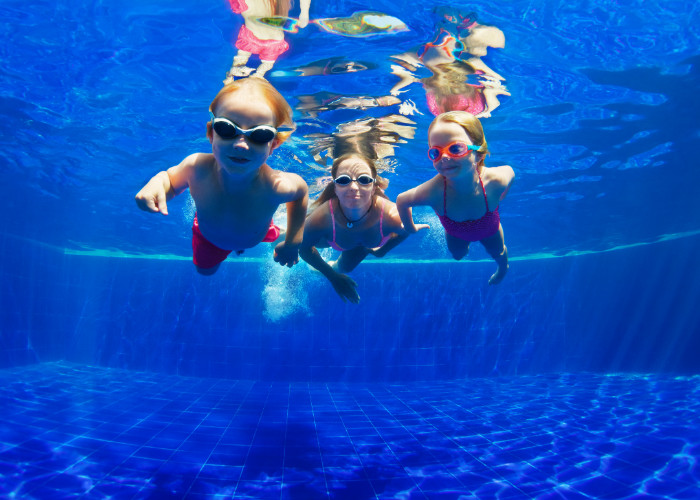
(205, 254)
(268, 50)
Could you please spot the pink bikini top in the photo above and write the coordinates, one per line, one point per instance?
(470, 230)
(335, 246)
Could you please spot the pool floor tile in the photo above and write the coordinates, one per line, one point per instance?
(98, 432)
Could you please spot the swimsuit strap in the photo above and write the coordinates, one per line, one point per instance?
(444, 195)
(381, 218)
(330, 204)
(484, 191)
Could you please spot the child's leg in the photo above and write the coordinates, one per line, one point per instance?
(263, 68)
(207, 271)
(241, 58)
(496, 247)
(239, 68)
(458, 248)
(349, 259)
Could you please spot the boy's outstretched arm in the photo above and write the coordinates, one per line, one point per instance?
(164, 186)
(287, 252)
(154, 195)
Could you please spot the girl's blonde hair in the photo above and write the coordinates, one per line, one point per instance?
(280, 107)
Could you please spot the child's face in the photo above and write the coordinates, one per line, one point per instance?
(354, 195)
(443, 134)
(240, 155)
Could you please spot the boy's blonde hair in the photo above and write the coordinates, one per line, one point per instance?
(279, 105)
(470, 124)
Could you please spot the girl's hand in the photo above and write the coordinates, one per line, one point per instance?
(345, 287)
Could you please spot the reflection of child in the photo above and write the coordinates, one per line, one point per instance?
(256, 38)
(235, 191)
(464, 187)
(449, 87)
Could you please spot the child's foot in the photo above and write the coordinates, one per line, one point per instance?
(502, 262)
(237, 71)
(498, 276)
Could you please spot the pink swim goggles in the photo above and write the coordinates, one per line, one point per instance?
(455, 149)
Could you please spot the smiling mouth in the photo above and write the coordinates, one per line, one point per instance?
(238, 160)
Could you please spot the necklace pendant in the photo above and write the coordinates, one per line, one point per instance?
(349, 224)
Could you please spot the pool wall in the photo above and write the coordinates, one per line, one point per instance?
(605, 312)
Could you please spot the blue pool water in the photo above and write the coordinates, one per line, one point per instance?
(125, 374)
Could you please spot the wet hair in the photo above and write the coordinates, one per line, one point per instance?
(280, 7)
(280, 107)
(470, 124)
(328, 192)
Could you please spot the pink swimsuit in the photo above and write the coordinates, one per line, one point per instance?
(470, 230)
(268, 50)
(335, 246)
(474, 105)
(238, 6)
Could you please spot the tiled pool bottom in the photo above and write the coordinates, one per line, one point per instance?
(71, 431)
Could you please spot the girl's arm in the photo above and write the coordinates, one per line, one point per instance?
(492, 101)
(165, 185)
(344, 286)
(406, 79)
(392, 223)
(418, 196)
(304, 13)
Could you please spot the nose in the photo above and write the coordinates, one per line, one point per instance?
(241, 141)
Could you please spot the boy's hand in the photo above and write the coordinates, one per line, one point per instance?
(152, 198)
(286, 255)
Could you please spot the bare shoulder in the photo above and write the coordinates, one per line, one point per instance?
(195, 164)
(501, 176)
(497, 180)
(320, 216)
(317, 224)
(286, 185)
(193, 168)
